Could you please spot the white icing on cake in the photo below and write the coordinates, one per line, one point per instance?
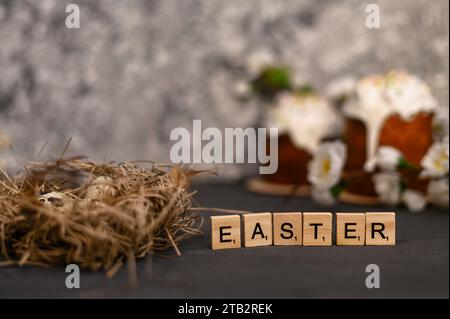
(380, 96)
(341, 87)
(307, 119)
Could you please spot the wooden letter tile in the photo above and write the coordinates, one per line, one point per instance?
(380, 228)
(317, 229)
(350, 229)
(257, 229)
(226, 232)
(287, 229)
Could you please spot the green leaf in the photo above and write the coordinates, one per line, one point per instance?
(405, 164)
(337, 189)
(271, 81)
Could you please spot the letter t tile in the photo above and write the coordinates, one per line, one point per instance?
(317, 229)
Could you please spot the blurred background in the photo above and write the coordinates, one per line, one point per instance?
(136, 69)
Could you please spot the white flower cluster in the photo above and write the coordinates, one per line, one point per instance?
(326, 167)
(325, 171)
(391, 189)
(435, 162)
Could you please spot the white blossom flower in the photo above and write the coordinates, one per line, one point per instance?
(414, 200)
(325, 169)
(435, 161)
(387, 187)
(323, 196)
(438, 192)
(387, 158)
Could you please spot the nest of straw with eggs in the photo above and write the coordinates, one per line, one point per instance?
(94, 215)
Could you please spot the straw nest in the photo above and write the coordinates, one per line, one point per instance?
(94, 215)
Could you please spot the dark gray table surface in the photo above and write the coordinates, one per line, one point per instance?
(416, 267)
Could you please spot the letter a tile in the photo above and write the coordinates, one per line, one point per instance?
(257, 229)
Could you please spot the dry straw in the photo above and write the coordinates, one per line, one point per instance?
(94, 215)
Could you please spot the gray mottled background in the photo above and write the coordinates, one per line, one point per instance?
(137, 69)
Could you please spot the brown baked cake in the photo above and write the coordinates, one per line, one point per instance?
(395, 109)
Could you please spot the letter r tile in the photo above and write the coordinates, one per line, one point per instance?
(380, 229)
(226, 231)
